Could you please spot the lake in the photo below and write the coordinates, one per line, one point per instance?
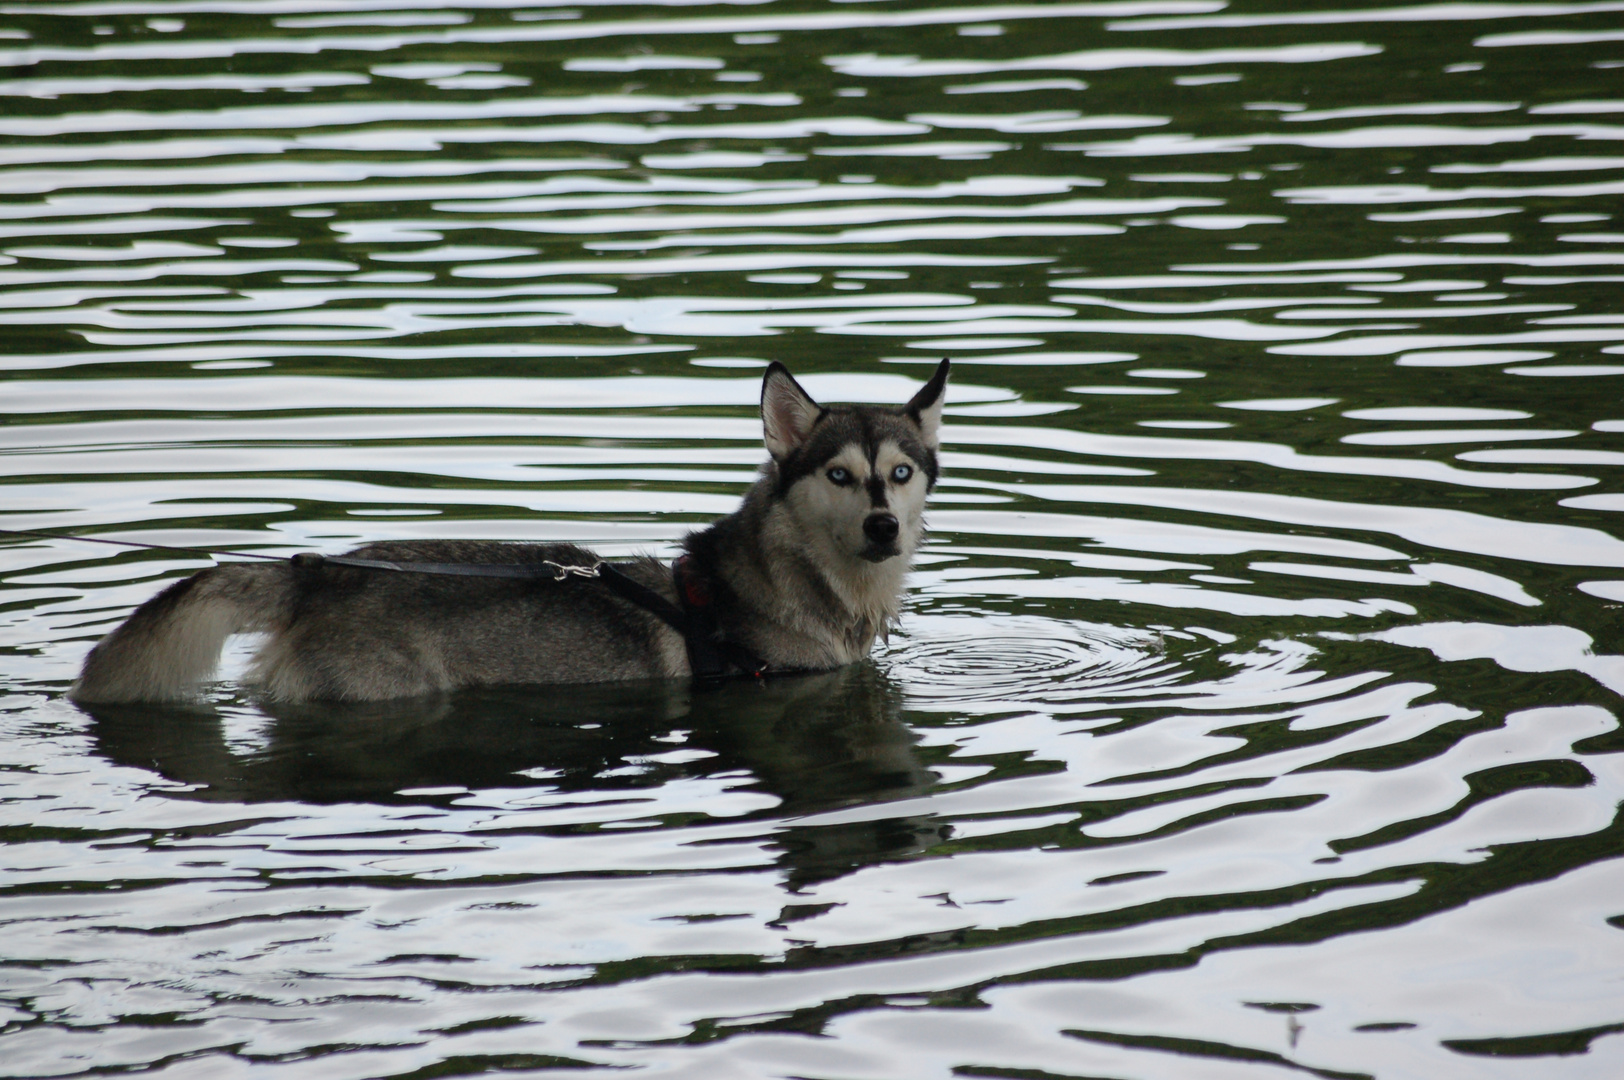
(1256, 705)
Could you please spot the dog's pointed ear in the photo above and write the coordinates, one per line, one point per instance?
(787, 412)
(926, 406)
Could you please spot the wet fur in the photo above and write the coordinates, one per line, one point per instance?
(796, 580)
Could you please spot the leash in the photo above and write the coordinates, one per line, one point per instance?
(545, 568)
(710, 654)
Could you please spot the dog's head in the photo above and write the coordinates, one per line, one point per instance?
(854, 476)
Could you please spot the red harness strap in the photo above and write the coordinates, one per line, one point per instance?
(709, 652)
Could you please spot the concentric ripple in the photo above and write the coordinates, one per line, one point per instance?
(949, 661)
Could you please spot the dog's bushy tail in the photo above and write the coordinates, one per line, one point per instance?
(173, 641)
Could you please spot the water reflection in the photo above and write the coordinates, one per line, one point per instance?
(811, 742)
(328, 753)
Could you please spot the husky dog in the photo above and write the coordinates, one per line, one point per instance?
(803, 576)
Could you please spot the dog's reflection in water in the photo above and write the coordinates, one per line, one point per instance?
(816, 742)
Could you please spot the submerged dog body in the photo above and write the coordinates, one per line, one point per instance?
(804, 575)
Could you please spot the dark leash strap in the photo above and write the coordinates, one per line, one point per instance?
(546, 568)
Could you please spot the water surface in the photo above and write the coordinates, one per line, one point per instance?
(1256, 705)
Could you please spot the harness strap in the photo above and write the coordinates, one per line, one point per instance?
(709, 655)
(695, 594)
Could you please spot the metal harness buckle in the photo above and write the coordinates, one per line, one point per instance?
(562, 571)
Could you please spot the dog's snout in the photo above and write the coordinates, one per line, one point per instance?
(881, 528)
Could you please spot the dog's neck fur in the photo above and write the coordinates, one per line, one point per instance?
(816, 609)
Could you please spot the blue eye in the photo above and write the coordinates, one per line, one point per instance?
(901, 473)
(839, 476)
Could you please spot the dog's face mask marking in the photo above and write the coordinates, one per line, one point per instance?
(870, 498)
(854, 478)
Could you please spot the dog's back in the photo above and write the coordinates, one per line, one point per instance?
(360, 634)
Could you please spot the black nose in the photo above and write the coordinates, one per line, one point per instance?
(881, 528)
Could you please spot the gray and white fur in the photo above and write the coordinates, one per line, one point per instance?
(805, 574)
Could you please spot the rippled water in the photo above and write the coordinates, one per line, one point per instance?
(1256, 708)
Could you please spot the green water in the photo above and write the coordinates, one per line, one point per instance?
(1256, 704)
